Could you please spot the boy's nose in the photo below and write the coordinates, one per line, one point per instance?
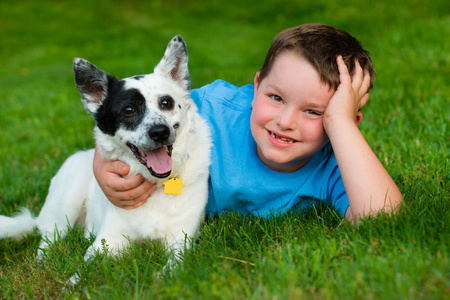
(287, 119)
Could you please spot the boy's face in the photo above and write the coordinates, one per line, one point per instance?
(288, 107)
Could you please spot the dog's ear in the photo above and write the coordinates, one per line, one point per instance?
(92, 83)
(174, 64)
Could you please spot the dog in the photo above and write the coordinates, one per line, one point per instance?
(150, 123)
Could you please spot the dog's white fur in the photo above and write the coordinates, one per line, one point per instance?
(75, 197)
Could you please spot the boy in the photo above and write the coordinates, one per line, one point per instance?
(303, 144)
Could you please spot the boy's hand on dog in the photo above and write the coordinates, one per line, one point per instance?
(126, 193)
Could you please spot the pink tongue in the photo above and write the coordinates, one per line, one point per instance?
(159, 160)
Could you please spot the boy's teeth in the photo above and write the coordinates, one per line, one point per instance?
(284, 140)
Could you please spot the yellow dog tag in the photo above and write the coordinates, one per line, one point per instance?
(173, 186)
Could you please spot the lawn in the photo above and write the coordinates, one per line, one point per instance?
(314, 255)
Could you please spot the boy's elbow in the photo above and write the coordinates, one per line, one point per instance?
(390, 205)
(396, 203)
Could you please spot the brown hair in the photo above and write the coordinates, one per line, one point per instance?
(320, 44)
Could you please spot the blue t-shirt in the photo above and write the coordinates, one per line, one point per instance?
(239, 181)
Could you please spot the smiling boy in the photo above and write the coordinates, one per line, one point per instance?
(289, 140)
(286, 120)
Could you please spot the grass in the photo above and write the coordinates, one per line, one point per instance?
(314, 255)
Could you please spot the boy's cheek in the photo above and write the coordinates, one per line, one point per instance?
(259, 114)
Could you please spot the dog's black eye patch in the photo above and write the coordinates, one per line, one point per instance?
(122, 108)
(166, 102)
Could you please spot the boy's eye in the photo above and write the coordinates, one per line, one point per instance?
(276, 98)
(313, 112)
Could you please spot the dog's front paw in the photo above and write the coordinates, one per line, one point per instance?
(71, 283)
(172, 264)
(40, 255)
(168, 268)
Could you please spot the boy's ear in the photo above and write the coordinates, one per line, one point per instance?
(255, 83)
(255, 80)
(359, 118)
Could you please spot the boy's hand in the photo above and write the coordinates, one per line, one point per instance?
(350, 96)
(127, 193)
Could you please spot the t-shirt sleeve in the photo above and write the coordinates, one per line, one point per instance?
(339, 198)
(337, 194)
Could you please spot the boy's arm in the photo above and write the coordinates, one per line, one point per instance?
(127, 193)
(368, 185)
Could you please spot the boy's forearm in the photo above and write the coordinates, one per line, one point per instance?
(368, 185)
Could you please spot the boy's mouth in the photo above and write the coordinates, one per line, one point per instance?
(282, 139)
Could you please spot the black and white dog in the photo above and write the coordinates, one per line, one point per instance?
(150, 123)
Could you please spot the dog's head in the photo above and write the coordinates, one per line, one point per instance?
(141, 114)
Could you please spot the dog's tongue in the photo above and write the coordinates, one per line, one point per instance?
(159, 161)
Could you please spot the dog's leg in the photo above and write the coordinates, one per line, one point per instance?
(64, 204)
(114, 232)
(108, 240)
(177, 248)
(106, 244)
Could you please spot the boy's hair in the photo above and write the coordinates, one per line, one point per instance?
(320, 44)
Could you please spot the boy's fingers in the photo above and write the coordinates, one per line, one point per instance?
(364, 100)
(358, 76)
(142, 191)
(365, 84)
(138, 196)
(119, 168)
(144, 197)
(121, 184)
(344, 76)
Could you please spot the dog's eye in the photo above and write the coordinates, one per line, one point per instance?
(166, 103)
(128, 111)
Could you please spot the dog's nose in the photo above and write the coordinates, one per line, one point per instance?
(159, 133)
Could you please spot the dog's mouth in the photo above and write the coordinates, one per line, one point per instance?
(157, 161)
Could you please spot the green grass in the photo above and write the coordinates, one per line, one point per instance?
(313, 255)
